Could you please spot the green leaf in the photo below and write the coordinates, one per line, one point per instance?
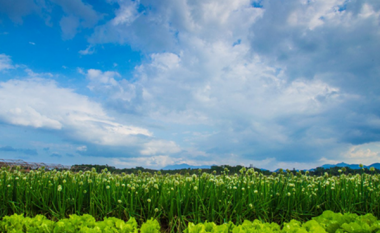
(151, 226)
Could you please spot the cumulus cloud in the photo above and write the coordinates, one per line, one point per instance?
(366, 153)
(239, 98)
(279, 83)
(287, 80)
(118, 93)
(321, 38)
(40, 103)
(155, 147)
(164, 27)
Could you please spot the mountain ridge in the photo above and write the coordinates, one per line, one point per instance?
(185, 166)
(325, 166)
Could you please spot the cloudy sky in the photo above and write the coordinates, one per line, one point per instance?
(151, 83)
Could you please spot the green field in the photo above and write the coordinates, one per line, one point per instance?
(176, 200)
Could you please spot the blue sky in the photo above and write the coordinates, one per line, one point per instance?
(153, 83)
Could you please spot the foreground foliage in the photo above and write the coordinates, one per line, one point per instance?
(328, 222)
(176, 200)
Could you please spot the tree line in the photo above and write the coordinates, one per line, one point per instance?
(319, 171)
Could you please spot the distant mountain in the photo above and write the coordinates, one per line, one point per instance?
(284, 170)
(325, 166)
(375, 165)
(352, 166)
(184, 166)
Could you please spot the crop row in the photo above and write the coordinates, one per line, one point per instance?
(176, 200)
(328, 222)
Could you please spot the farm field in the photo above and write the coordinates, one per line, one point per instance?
(177, 200)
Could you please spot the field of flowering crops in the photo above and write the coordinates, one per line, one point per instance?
(176, 200)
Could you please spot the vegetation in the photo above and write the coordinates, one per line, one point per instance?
(218, 170)
(328, 222)
(176, 200)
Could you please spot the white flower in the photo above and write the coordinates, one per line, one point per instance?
(59, 188)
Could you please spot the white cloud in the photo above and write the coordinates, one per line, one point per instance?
(5, 62)
(368, 11)
(366, 154)
(155, 147)
(89, 50)
(40, 103)
(104, 83)
(290, 81)
(313, 14)
(171, 21)
(102, 78)
(237, 72)
(126, 14)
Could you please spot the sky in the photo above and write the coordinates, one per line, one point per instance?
(275, 84)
